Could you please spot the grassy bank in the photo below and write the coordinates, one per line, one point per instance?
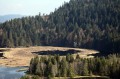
(77, 77)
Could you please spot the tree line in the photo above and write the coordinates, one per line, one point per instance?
(93, 24)
(55, 66)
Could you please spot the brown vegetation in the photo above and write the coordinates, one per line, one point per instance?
(22, 56)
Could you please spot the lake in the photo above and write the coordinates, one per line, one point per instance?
(10, 72)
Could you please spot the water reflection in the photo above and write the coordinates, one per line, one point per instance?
(10, 72)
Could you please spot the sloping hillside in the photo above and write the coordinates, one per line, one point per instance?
(93, 24)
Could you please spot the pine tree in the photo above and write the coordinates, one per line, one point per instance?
(63, 67)
(85, 69)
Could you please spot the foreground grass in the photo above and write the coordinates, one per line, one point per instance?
(76, 77)
(94, 76)
(83, 77)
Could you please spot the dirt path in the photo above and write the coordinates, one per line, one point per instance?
(22, 56)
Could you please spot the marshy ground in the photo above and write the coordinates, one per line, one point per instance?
(21, 56)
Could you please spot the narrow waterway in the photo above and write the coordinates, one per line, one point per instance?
(10, 72)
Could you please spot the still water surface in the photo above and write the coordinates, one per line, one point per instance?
(10, 72)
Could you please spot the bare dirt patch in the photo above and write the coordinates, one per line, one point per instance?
(22, 56)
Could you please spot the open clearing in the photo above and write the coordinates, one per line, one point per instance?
(21, 56)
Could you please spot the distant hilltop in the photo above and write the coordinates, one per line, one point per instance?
(9, 17)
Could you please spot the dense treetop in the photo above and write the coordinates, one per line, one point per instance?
(55, 66)
(91, 24)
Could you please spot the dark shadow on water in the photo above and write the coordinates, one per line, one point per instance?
(99, 55)
(53, 52)
(1, 52)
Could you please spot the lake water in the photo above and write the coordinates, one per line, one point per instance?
(10, 72)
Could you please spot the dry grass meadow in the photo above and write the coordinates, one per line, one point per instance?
(21, 56)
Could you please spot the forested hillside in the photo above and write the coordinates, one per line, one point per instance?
(93, 24)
